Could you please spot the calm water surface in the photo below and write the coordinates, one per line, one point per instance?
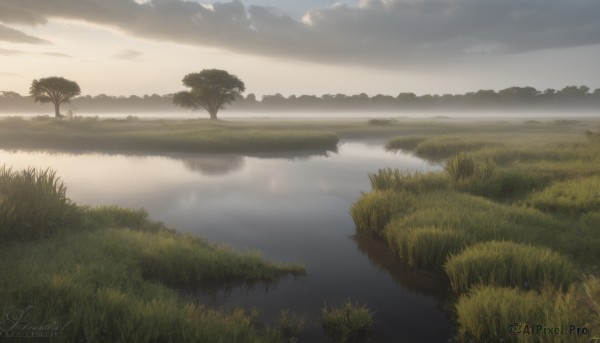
(292, 208)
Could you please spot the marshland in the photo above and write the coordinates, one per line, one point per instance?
(296, 230)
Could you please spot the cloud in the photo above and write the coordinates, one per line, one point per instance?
(376, 32)
(128, 54)
(11, 52)
(9, 34)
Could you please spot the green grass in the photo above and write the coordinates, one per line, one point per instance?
(486, 314)
(572, 197)
(425, 247)
(464, 168)
(33, 204)
(440, 148)
(289, 325)
(107, 273)
(397, 180)
(404, 143)
(350, 323)
(374, 210)
(509, 264)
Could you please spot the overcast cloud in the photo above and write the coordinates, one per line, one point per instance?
(377, 32)
(9, 34)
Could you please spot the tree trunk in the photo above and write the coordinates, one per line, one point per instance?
(57, 110)
(213, 115)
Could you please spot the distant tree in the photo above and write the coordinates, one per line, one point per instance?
(56, 90)
(211, 89)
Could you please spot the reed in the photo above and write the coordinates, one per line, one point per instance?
(572, 197)
(509, 264)
(33, 204)
(491, 314)
(374, 210)
(404, 143)
(400, 181)
(350, 323)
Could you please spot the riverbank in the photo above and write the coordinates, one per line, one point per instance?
(512, 221)
(110, 274)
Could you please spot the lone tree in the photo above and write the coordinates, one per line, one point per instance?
(211, 89)
(56, 90)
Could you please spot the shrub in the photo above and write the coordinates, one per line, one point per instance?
(509, 264)
(374, 210)
(350, 323)
(33, 204)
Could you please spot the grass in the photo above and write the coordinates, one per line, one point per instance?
(374, 210)
(487, 314)
(161, 136)
(441, 148)
(572, 197)
(350, 323)
(425, 247)
(33, 204)
(404, 143)
(399, 181)
(509, 264)
(107, 276)
(289, 325)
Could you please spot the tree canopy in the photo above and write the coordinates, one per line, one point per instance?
(211, 89)
(56, 90)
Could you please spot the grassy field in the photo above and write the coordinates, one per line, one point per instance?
(513, 221)
(106, 274)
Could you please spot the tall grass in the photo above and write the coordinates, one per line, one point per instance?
(399, 181)
(33, 204)
(572, 197)
(440, 148)
(109, 284)
(509, 264)
(487, 314)
(350, 323)
(374, 210)
(425, 247)
(463, 167)
(403, 143)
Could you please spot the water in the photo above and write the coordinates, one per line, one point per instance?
(292, 208)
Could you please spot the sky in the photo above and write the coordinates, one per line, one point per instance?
(125, 47)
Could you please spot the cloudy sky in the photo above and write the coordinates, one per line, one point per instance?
(123, 47)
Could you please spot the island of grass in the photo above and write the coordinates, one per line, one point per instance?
(512, 220)
(109, 274)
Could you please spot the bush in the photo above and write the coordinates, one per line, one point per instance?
(350, 323)
(509, 264)
(33, 204)
(374, 210)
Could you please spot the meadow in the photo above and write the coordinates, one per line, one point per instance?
(512, 221)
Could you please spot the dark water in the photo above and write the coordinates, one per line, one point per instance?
(292, 208)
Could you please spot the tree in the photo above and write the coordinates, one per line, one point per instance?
(211, 89)
(56, 90)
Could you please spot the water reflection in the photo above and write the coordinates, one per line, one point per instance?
(415, 280)
(214, 164)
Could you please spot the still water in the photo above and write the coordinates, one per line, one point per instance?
(293, 208)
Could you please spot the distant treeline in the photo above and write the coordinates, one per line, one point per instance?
(513, 98)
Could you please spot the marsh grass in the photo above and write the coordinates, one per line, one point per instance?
(350, 323)
(509, 264)
(464, 168)
(572, 197)
(445, 147)
(109, 283)
(33, 204)
(403, 143)
(425, 247)
(289, 325)
(374, 210)
(389, 179)
(486, 314)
